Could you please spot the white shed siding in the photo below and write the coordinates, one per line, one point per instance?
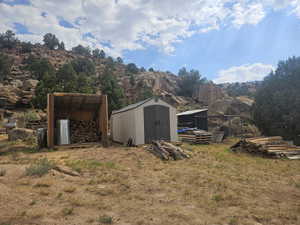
(123, 126)
(130, 124)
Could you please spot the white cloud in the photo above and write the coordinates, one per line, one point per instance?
(134, 24)
(249, 72)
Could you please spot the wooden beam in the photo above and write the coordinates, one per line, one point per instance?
(103, 120)
(75, 95)
(50, 112)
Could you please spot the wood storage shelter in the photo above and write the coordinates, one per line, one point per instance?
(193, 119)
(85, 108)
(143, 122)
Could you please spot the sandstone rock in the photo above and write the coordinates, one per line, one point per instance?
(17, 83)
(20, 134)
(30, 84)
(208, 94)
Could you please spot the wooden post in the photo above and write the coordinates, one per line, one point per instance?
(103, 117)
(50, 112)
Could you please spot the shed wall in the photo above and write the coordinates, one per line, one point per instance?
(130, 124)
(123, 126)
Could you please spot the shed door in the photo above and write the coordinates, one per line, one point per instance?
(156, 123)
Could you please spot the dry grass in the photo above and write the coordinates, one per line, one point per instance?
(131, 186)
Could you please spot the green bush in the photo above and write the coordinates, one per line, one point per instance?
(31, 116)
(40, 168)
(105, 219)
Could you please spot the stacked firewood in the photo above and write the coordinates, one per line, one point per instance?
(83, 131)
(167, 151)
(274, 147)
(196, 137)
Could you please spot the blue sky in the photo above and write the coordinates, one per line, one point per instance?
(274, 38)
(226, 40)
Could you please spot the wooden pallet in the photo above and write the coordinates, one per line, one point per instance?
(196, 139)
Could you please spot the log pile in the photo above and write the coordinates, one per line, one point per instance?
(196, 137)
(273, 147)
(2, 130)
(83, 131)
(167, 151)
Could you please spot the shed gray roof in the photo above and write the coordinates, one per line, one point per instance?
(191, 112)
(132, 106)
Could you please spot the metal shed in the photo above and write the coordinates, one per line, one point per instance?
(79, 107)
(193, 119)
(151, 119)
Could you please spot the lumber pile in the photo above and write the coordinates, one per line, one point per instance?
(83, 131)
(167, 151)
(274, 147)
(196, 137)
(2, 130)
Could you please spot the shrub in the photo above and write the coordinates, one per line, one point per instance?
(67, 211)
(40, 168)
(105, 219)
(31, 116)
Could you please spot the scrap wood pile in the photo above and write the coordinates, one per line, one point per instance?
(167, 151)
(2, 130)
(196, 137)
(83, 131)
(274, 147)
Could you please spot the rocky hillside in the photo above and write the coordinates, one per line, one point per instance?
(17, 90)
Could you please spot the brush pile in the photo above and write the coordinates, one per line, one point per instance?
(273, 147)
(167, 151)
(83, 131)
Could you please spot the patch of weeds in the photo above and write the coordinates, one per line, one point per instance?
(218, 198)
(79, 165)
(297, 185)
(69, 189)
(67, 211)
(59, 195)
(233, 221)
(31, 116)
(40, 168)
(2, 172)
(110, 165)
(105, 219)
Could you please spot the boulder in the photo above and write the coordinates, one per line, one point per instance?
(17, 83)
(30, 84)
(20, 134)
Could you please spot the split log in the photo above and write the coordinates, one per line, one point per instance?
(66, 170)
(167, 151)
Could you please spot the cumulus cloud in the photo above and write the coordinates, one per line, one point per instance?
(133, 24)
(249, 72)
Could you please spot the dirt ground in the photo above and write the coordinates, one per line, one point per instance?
(130, 186)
